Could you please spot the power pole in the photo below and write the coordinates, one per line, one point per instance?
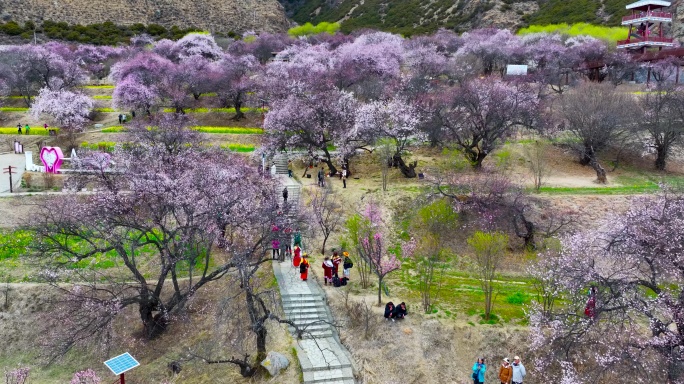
(9, 171)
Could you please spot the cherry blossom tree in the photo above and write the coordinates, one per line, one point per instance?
(393, 119)
(598, 116)
(493, 48)
(198, 44)
(159, 221)
(662, 114)
(85, 377)
(312, 122)
(484, 112)
(234, 80)
(633, 262)
(67, 110)
(373, 246)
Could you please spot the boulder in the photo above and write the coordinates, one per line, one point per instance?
(275, 362)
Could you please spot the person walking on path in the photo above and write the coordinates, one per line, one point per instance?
(276, 248)
(123, 119)
(297, 259)
(289, 168)
(120, 118)
(285, 195)
(327, 270)
(505, 372)
(28, 129)
(19, 128)
(479, 369)
(518, 371)
(304, 268)
(347, 265)
(344, 178)
(321, 178)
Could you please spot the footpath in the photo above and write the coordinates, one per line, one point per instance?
(322, 357)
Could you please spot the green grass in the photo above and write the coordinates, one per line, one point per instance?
(618, 190)
(14, 109)
(35, 131)
(98, 86)
(230, 130)
(236, 147)
(461, 293)
(209, 110)
(204, 129)
(610, 34)
(108, 146)
(102, 97)
(107, 110)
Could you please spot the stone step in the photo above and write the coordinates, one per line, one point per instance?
(328, 376)
(309, 318)
(300, 297)
(318, 334)
(303, 305)
(313, 327)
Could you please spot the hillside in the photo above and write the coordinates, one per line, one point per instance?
(212, 15)
(416, 16)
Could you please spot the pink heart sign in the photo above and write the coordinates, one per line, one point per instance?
(52, 158)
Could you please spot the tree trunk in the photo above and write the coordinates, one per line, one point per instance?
(261, 343)
(600, 172)
(409, 171)
(196, 95)
(325, 240)
(477, 160)
(330, 165)
(153, 325)
(238, 109)
(661, 157)
(379, 291)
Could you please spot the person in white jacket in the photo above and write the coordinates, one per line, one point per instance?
(518, 371)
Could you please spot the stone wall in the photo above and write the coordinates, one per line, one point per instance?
(211, 15)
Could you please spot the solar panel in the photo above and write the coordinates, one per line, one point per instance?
(121, 363)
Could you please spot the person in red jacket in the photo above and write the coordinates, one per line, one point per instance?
(336, 261)
(297, 256)
(327, 270)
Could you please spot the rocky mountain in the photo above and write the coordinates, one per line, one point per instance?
(419, 16)
(212, 15)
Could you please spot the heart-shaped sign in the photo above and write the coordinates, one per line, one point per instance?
(52, 159)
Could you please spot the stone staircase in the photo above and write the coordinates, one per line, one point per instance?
(321, 355)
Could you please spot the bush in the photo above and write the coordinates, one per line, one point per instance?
(517, 298)
(309, 29)
(611, 34)
(362, 317)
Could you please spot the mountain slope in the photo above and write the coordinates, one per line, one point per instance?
(421, 16)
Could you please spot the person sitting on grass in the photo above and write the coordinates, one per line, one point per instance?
(389, 310)
(400, 311)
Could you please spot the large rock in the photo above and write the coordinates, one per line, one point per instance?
(210, 15)
(275, 362)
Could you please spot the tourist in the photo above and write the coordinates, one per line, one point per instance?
(19, 128)
(276, 248)
(321, 178)
(327, 270)
(132, 114)
(47, 128)
(336, 261)
(123, 119)
(400, 311)
(505, 371)
(347, 265)
(344, 178)
(285, 195)
(120, 118)
(297, 256)
(518, 371)
(304, 267)
(389, 310)
(479, 369)
(590, 308)
(28, 129)
(289, 168)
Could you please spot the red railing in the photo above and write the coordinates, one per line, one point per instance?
(666, 15)
(650, 39)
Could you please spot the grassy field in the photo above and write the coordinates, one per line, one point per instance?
(210, 130)
(35, 131)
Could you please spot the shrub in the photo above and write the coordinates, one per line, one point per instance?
(309, 29)
(611, 34)
(517, 298)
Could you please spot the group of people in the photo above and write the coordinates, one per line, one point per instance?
(395, 312)
(331, 268)
(508, 373)
(300, 260)
(27, 129)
